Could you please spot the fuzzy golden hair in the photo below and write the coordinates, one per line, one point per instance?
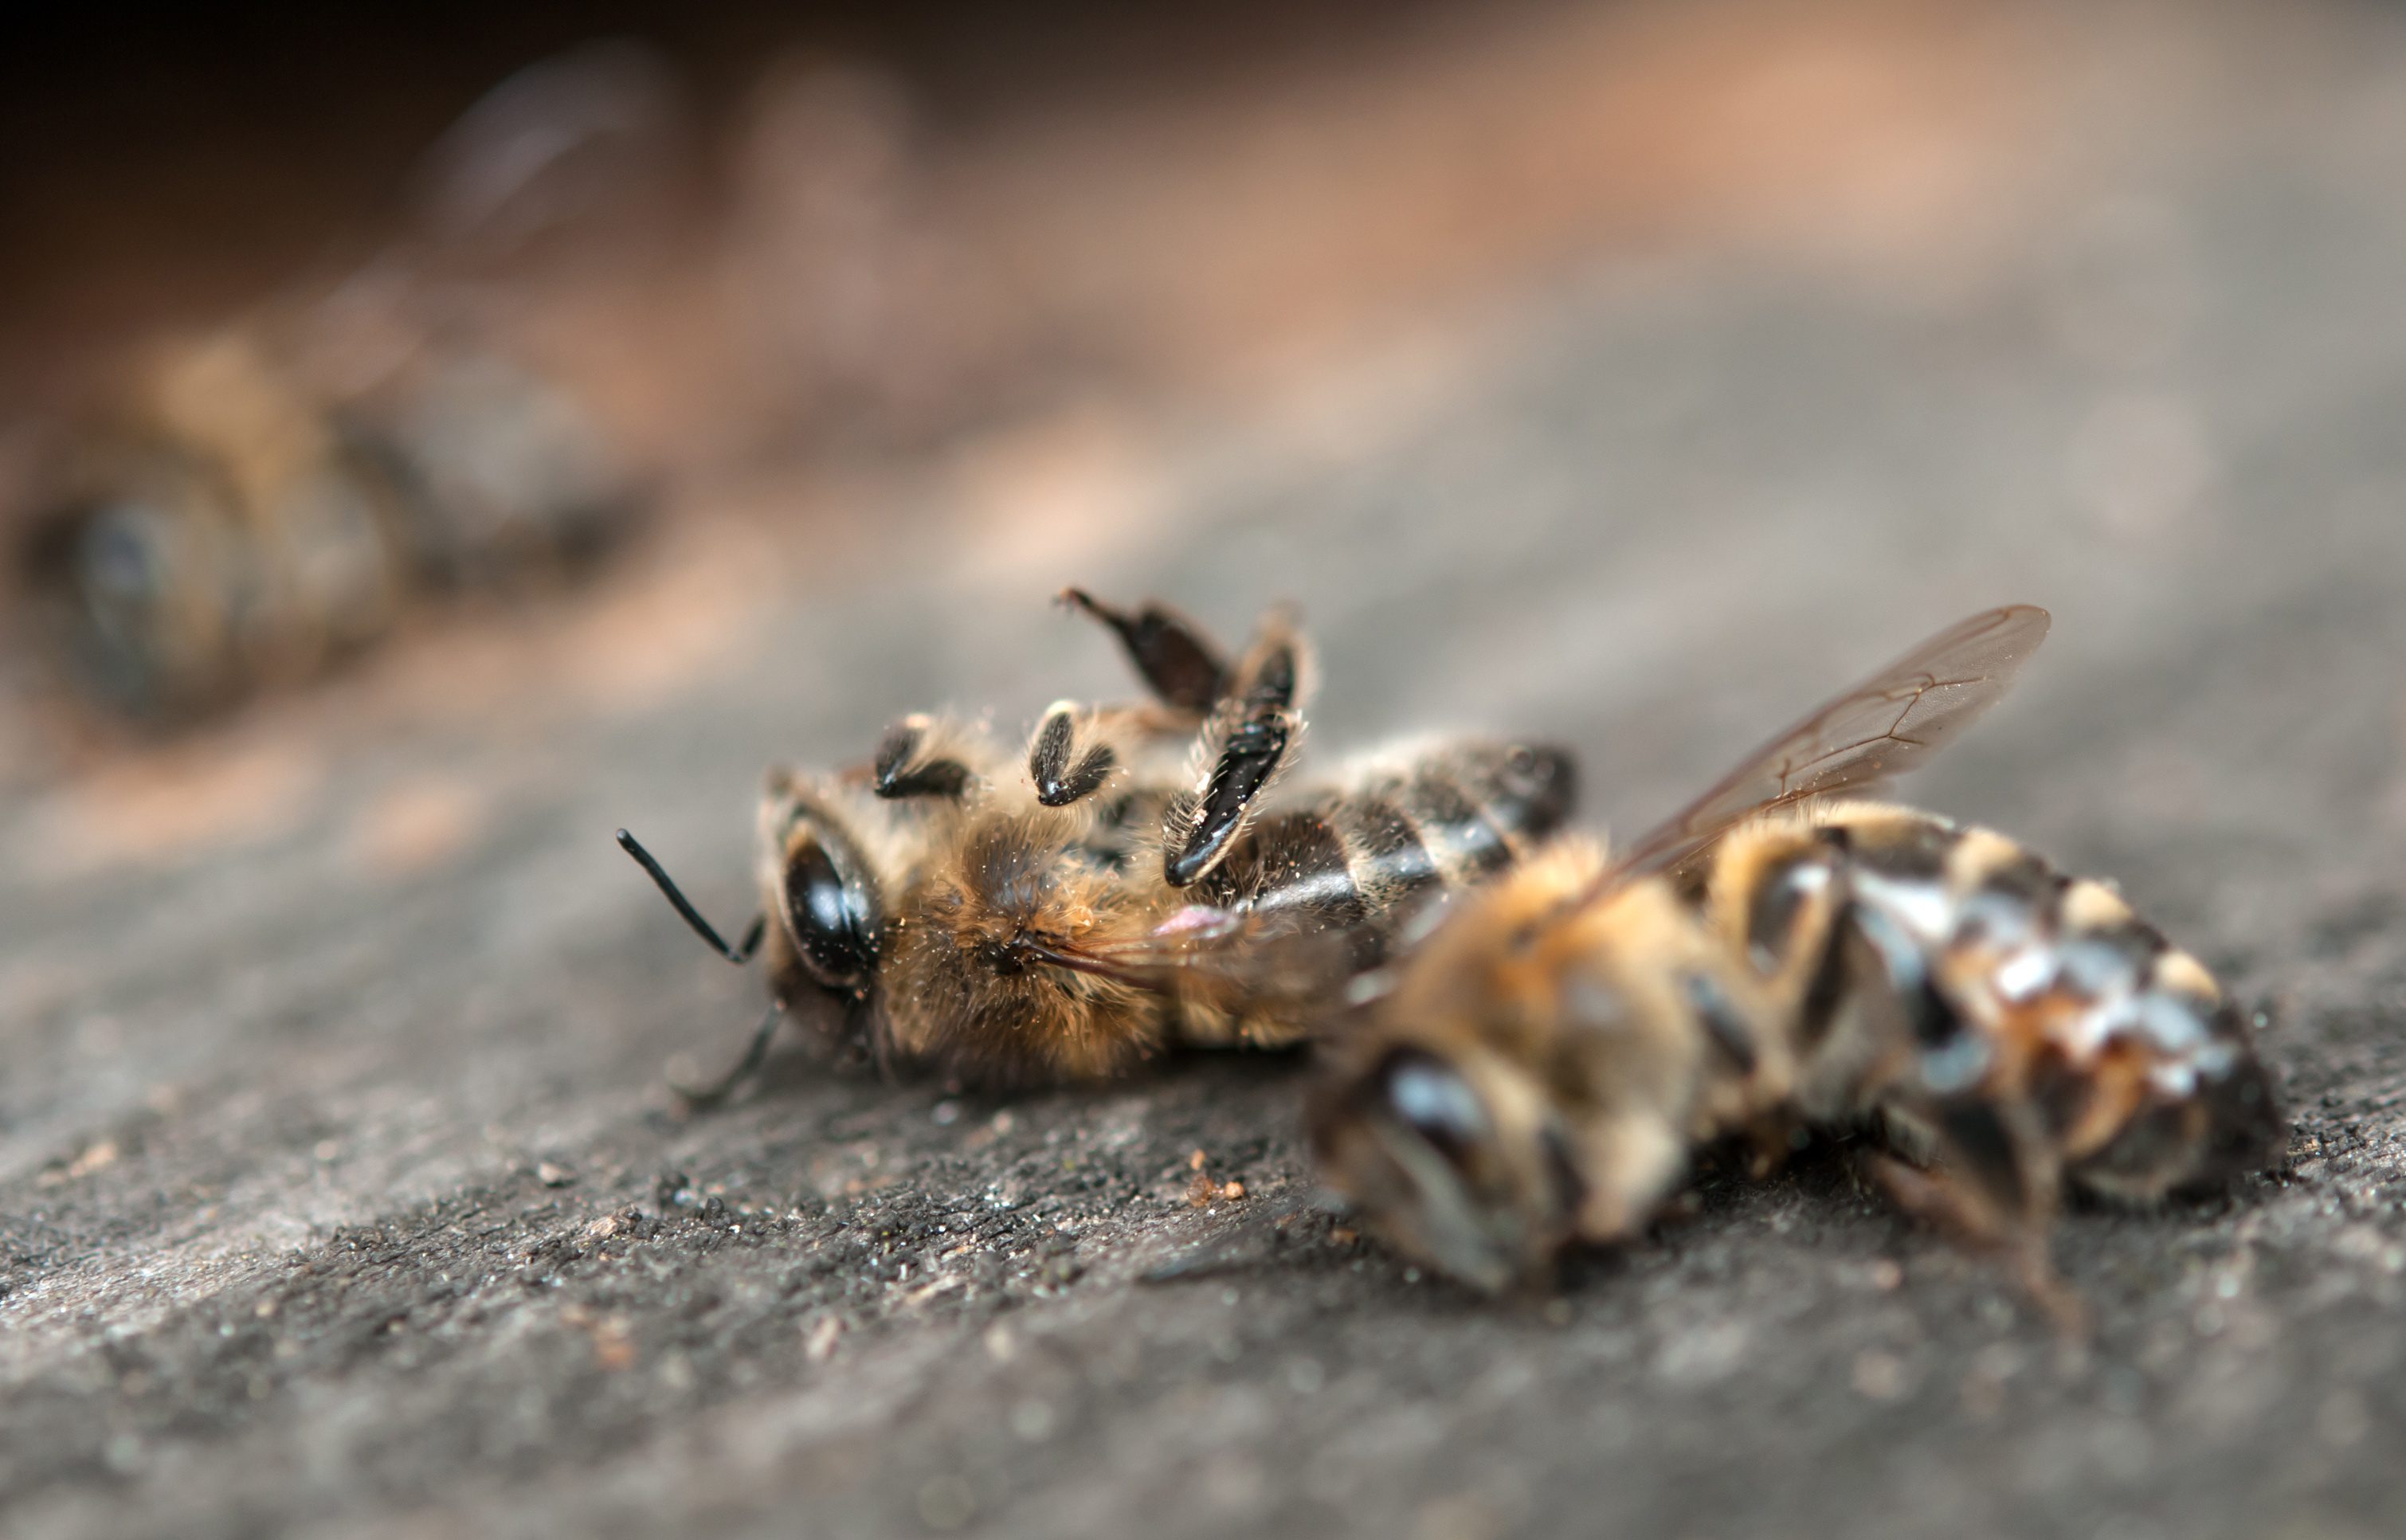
(965, 984)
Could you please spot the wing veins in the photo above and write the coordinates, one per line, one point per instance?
(1981, 651)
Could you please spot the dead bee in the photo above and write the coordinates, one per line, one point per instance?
(224, 524)
(935, 906)
(1539, 1071)
(241, 505)
(210, 530)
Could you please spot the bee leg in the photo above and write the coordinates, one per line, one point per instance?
(1770, 1139)
(1170, 652)
(1251, 738)
(1202, 824)
(1071, 756)
(919, 757)
(1946, 1201)
(699, 1098)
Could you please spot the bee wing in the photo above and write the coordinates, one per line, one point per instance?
(1258, 957)
(1884, 726)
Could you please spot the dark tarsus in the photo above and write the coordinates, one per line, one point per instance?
(1178, 663)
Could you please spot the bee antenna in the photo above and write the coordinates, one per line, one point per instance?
(692, 916)
(702, 1096)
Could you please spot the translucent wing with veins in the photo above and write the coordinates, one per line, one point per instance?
(1248, 958)
(1890, 723)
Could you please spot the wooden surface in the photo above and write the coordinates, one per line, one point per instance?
(339, 1194)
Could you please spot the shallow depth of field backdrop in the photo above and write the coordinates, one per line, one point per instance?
(1624, 374)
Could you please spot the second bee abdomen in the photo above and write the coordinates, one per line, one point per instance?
(2016, 986)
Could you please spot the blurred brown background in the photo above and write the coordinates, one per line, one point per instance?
(1629, 374)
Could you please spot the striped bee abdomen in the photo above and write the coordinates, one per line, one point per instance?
(1934, 967)
(1366, 859)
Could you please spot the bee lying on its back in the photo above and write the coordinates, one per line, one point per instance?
(1538, 1072)
(1139, 887)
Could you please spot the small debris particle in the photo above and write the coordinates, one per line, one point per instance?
(818, 1343)
(1196, 1161)
(1202, 1192)
(97, 1156)
(614, 1344)
(553, 1175)
(1886, 1275)
(1001, 1343)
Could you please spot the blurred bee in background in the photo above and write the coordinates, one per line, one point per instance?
(223, 527)
(942, 906)
(243, 505)
(1540, 1072)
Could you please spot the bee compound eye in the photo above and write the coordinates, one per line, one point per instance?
(834, 924)
(124, 554)
(1432, 1099)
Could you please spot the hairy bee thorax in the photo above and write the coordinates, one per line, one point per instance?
(975, 977)
(1601, 1042)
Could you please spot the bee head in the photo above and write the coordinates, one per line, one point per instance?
(139, 589)
(1453, 1160)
